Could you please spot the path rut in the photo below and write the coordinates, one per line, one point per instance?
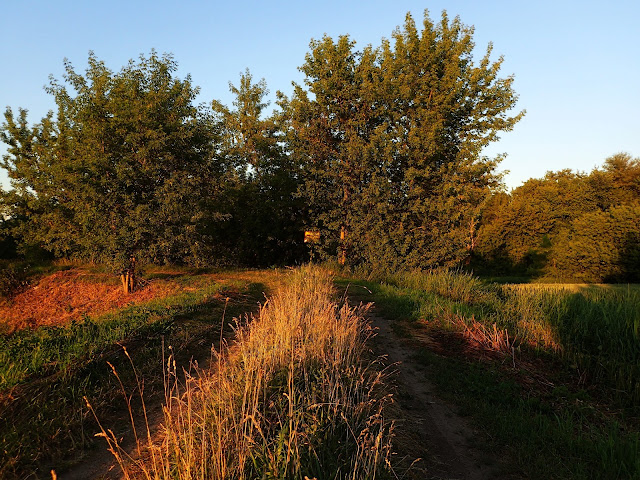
(431, 437)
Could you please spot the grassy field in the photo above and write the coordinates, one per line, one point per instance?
(47, 369)
(295, 396)
(550, 372)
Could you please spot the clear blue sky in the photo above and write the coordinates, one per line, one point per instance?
(576, 63)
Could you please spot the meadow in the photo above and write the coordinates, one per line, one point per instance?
(209, 379)
(238, 374)
(47, 369)
(596, 328)
(295, 396)
(550, 372)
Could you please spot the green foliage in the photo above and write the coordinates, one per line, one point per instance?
(566, 225)
(8, 244)
(379, 151)
(518, 230)
(390, 142)
(601, 246)
(265, 224)
(124, 169)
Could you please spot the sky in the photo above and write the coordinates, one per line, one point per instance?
(576, 63)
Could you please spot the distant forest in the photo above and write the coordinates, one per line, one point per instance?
(375, 161)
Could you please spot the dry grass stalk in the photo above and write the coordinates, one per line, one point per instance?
(491, 338)
(292, 398)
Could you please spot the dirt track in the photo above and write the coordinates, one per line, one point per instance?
(431, 438)
(432, 442)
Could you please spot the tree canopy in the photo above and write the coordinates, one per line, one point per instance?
(390, 140)
(566, 225)
(376, 158)
(122, 172)
(265, 226)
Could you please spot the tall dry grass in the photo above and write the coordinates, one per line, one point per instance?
(294, 396)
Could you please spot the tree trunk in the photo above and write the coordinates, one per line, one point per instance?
(124, 278)
(342, 253)
(128, 277)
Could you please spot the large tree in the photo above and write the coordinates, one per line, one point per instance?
(329, 135)
(122, 172)
(392, 139)
(265, 225)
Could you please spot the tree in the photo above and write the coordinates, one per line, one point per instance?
(520, 229)
(528, 229)
(265, 218)
(601, 246)
(618, 182)
(328, 134)
(391, 141)
(125, 170)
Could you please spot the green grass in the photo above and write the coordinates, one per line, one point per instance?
(595, 328)
(587, 336)
(557, 435)
(45, 373)
(57, 350)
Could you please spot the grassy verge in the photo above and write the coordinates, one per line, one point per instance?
(594, 328)
(294, 397)
(556, 433)
(46, 372)
(554, 383)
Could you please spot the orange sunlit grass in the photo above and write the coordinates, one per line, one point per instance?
(69, 295)
(295, 396)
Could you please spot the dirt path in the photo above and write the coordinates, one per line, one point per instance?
(430, 434)
(99, 463)
(433, 442)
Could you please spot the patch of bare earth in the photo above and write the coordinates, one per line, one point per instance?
(432, 441)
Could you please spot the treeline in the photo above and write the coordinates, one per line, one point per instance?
(377, 156)
(567, 225)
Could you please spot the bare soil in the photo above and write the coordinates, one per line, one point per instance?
(432, 441)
